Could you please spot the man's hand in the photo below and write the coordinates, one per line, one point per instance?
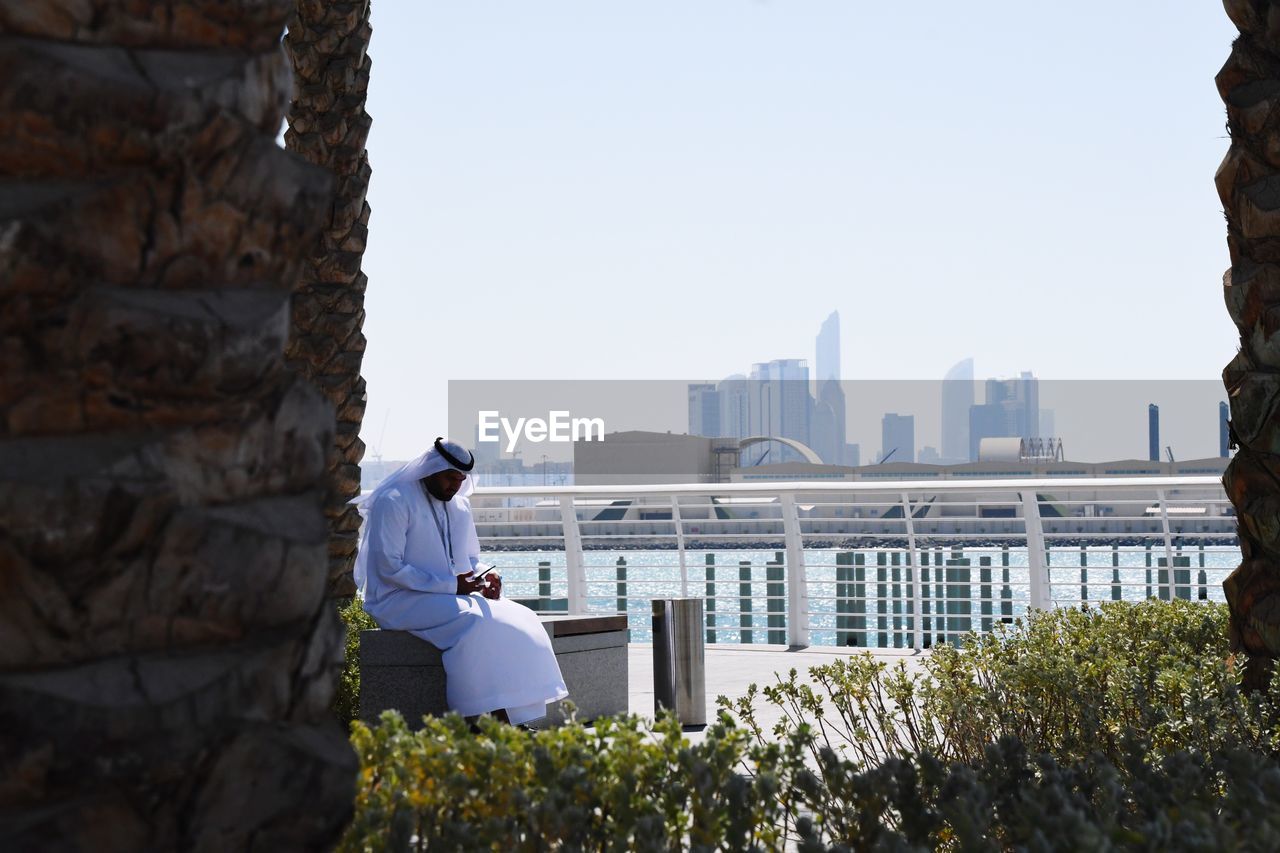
(467, 584)
(493, 589)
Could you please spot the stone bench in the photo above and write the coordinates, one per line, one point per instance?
(402, 672)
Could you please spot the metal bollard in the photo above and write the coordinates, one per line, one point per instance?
(679, 659)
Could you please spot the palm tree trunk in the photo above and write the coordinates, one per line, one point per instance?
(328, 126)
(166, 651)
(1249, 184)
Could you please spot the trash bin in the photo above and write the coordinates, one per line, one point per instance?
(679, 659)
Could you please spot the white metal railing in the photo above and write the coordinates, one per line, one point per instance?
(903, 563)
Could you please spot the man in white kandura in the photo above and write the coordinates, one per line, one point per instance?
(416, 570)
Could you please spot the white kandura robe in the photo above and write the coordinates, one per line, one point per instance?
(496, 653)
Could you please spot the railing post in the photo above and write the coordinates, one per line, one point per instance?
(851, 599)
(1006, 591)
(882, 600)
(620, 569)
(684, 571)
(712, 634)
(925, 601)
(984, 592)
(797, 589)
(775, 605)
(1164, 523)
(1163, 589)
(1036, 566)
(1084, 574)
(544, 585)
(959, 577)
(1181, 573)
(895, 595)
(576, 576)
(913, 565)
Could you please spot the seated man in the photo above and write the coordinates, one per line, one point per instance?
(416, 573)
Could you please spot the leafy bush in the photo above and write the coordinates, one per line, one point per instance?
(1067, 683)
(1119, 728)
(1011, 800)
(346, 697)
(629, 786)
(623, 785)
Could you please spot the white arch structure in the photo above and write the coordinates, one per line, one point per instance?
(803, 449)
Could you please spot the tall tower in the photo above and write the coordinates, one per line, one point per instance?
(827, 427)
(735, 406)
(704, 409)
(957, 398)
(1153, 432)
(1012, 410)
(780, 402)
(1224, 431)
(1029, 403)
(898, 436)
(827, 364)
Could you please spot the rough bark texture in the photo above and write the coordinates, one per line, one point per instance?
(1249, 184)
(328, 126)
(166, 650)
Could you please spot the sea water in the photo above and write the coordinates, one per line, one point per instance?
(742, 592)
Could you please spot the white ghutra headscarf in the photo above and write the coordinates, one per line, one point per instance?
(443, 456)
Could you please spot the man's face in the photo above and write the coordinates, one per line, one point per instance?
(445, 484)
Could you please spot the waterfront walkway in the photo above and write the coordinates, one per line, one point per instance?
(731, 668)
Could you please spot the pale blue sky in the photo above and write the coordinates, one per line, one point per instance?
(679, 188)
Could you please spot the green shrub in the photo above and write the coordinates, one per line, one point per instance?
(346, 697)
(622, 785)
(1067, 683)
(1121, 728)
(1011, 800)
(629, 786)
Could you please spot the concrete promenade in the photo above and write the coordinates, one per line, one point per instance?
(731, 668)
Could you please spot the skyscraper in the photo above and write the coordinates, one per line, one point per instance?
(1047, 429)
(1011, 410)
(1153, 432)
(898, 437)
(1224, 430)
(704, 410)
(957, 398)
(779, 400)
(990, 420)
(1028, 399)
(827, 364)
(735, 407)
(827, 425)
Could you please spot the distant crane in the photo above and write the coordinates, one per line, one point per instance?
(376, 455)
(1169, 451)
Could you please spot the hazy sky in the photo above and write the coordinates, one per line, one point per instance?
(678, 188)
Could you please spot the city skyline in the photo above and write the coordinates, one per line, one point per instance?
(815, 414)
(533, 168)
(1098, 420)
